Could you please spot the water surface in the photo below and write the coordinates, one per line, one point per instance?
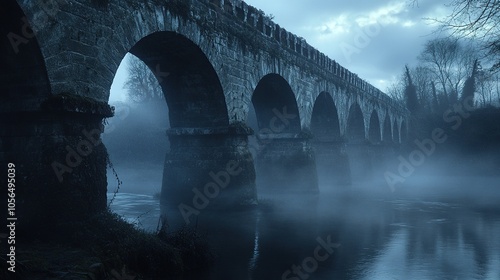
(436, 228)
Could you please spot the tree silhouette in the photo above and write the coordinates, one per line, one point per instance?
(478, 19)
(470, 83)
(142, 85)
(411, 94)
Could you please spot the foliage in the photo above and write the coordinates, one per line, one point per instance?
(448, 60)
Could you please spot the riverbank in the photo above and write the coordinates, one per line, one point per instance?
(107, 247)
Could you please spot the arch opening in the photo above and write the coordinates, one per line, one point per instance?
(275, 105)
(284, 159)
(355, 124)
(331, 160)
(189, 82)
(141, 116)
(387, 129)
(324, 120)
(374, 134)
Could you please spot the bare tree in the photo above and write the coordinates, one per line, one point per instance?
(141, 85)
(487, 88)
(476, 19)
(422, 80)
(448, 62)
(397, 88)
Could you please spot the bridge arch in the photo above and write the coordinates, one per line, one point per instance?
(374, 129)
(355, 131)
(325, 119)
(387, 133)
(23, 76)
(275, 105)
(192, 88)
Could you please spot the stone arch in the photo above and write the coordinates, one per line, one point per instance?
(374, 129)
(191, 86)
(275, 105)
(24, 80)
(387, 133)
(355, 124)
(325, 119)
(395, 131)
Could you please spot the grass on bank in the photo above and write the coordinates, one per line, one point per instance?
(107, 247)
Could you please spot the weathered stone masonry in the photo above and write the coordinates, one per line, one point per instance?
(216, 52)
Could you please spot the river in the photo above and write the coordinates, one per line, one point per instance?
(436, 228)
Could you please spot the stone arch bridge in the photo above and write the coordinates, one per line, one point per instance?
(228, 73)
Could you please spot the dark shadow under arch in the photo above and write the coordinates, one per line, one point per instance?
(387, 130)
(275, 105)
(191, 86)
(324, 119)
(23, 75)
(395, 132)
(374, 134)
(355, 124)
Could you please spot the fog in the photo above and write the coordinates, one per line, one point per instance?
(406, 212)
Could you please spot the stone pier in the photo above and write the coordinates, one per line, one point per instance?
(207, 169)
(360, 160)
(60, 162)
(332, 162)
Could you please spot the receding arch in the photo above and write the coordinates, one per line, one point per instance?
(374, 129)
(387, 135)
(355, 124)
(403, 132)
(23, 75)
(395, 132)
(191, 86)
(275, 105)
(325, 118)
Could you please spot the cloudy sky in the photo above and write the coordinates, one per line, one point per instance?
(373, 38)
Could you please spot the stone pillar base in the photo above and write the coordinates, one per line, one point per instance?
(332, 163)
(286, 163)
(207, 169)
(60, 163)
(360, 159)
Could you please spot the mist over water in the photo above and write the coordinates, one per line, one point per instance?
(440, 223)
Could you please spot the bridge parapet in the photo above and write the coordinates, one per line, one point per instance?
(257, 19)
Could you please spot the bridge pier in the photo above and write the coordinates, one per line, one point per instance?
(206, 168)
(382, 155)
(369, 161)
(285, 162)
(360, 155)
(332, 162)
(60, 163)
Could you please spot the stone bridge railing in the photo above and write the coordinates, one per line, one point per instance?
(264, 24)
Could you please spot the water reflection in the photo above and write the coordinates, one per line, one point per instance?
(391, 237)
